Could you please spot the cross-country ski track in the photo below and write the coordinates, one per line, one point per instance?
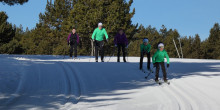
(42, 82)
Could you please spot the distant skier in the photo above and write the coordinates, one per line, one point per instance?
(97, 37)
(121, 42)
(73, 41)
(145, 50)
(158, 60)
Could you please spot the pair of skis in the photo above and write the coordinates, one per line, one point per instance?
(160, 83)
(75, 58)
(149, 73)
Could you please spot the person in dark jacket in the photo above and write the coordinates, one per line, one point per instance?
(73, 41)
(121, 42)
(145, 50)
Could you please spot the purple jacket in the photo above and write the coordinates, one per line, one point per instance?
(76, 36)
(121, 39)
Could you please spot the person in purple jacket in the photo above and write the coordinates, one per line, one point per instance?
(121, 42)
(73, 41)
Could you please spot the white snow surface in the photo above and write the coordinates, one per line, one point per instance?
(43, 82)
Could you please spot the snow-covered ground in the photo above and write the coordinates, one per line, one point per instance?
(51, 82)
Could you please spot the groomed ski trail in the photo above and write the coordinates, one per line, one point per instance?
(50, 82)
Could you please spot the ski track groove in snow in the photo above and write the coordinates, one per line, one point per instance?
(79, 88)
(19, 89)
(73, 84)
(182, 100)
(190, 97)
(201, 98)
(68, 88)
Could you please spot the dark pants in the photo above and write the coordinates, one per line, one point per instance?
(158, 64)
(121, 46)
(148, 60)
(75, 49)
(99, 47)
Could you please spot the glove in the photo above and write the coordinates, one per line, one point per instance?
(168, 65)
(116, 45)
(107, 40)
(154, 64)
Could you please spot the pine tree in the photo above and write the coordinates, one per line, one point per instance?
(169, 37)
(51, 32)
(7, 32)
(196, 47)
(213, 42)
(13, 2)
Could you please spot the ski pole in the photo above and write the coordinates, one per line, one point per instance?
(92, 50)
(91, 55)
(64, 54)
(127, 54)
(168, 75)
(149, 73)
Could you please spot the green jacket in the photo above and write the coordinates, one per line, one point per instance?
(159, 56)
(99, 34)
(145, 48)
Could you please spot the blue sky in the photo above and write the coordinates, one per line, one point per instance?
(189, 17)
(26, 14)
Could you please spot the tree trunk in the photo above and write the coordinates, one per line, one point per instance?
(176, 48)
(92, 50)
(181, 48)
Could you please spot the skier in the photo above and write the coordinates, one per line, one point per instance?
(97, 37)
(145, 49)
(121, 42)
(73, 41)
(158, 60)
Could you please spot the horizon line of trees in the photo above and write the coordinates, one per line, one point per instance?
(49, 35)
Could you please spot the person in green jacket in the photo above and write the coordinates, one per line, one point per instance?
(98, 37)
(145, 49)
(158, 60)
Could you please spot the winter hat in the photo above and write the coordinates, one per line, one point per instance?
(160, 45)
(100, 24)
(145, 40)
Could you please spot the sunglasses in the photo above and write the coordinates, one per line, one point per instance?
(161, 47)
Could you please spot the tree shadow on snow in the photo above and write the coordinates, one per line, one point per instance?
(180, 69)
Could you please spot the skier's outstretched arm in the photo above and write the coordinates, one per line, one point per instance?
(77, 38)
(115, 40)
(153, 58)
(149, 48)
(106, 35)
(168, 59)
(126, 41)
(141, 49)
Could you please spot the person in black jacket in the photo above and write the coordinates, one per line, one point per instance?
(73, 41)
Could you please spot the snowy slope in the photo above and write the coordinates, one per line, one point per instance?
(51, 82)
